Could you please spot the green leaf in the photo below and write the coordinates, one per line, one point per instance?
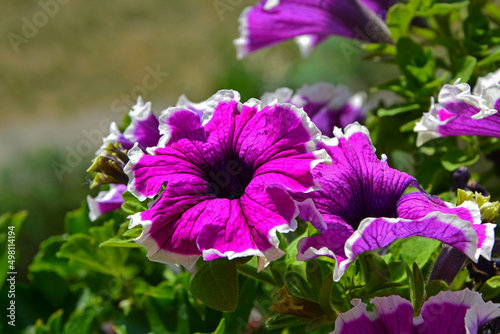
(398, 20)
(490, 59)
(117, 242)
(84, 250)
(290, 258)
(235, 320)
(417, 287)
(298, 286)
(81, 320)
(53, 325)
(456, 158)
(442, 9)
(325, 300)
(315, 324)
(401, 160)
(46, 259)
(421, 250)
(124, 239)
(386, 49)
(314, 276)
(408, 127)
(284, 320)
(78, 221)
(435, 287)
(375, 269)
(221, 329)
(132, 205)
(491, 288)
(164, 290)
(416, 64)
(491, 9)
(216, 284)
(465, 70)
(398, 109)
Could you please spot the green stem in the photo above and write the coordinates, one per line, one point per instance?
(278, 278)
(251, 272)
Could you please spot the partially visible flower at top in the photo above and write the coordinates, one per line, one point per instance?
(327, 105)
(462, 113)
(456, 312)
(111, 157)
(361, 207)
(311, 21)
(222, 180)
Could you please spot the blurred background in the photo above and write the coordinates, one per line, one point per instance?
(70, 67)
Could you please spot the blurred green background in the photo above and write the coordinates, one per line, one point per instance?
(67, 67)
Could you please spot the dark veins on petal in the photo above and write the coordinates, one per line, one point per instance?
(228, 177)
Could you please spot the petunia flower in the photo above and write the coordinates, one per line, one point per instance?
(106, 201)
(361, 206)
(327, 105)
(222, 180)
(311, 21)
(462, 113)
(447, 312)
(143, 129)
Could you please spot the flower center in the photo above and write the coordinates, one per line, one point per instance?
(229, 178)
(361, 208)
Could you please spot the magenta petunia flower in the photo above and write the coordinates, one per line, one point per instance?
(222, 180)
(143, 129)
(311, 21)
(460, 112)
(448, 312)
(327, 105)
(106, 201)
(361, 206)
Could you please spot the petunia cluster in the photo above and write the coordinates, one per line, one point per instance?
(225, 177)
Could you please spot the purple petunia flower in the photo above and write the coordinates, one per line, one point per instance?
(310, 22)
(460, 112)
(106, 201)
(143, 129)
(361, 207)
(327, 105)
(221, 180)
(448, 312)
